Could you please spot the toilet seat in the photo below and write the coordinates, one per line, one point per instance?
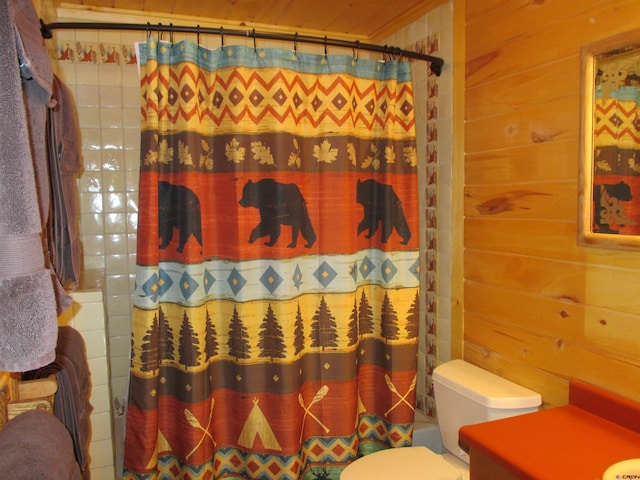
(408, 463)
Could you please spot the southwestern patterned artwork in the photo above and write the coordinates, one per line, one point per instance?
(610, 166)
(277, 288)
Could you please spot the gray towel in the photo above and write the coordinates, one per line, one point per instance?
(28, 313)
(37, 87)
(64, 167)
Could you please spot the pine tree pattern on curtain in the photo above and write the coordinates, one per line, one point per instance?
(277, 292)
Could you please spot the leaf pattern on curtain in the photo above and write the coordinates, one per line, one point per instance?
(277, 290)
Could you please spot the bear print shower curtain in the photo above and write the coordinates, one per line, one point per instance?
(277, 294)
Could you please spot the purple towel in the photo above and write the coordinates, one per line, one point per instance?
(28, 304)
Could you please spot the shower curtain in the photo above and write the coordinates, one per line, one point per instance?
(276, 301)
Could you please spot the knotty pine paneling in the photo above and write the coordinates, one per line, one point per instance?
(592, 327)
(366, 20)
(545, 277)
(545, 239)
(548, 15)
(525, 124)
(532, 162)
(561, 357)
(538, 308)
(492, 55)
(526, 310)
(590, 284)
(475, 11)
(531, 86)
(555, 388)
(548, 201)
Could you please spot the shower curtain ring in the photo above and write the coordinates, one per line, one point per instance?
(325, 45)
(148, 30)
(295, 43)
(356, 50)
(255, 48)
(159, 31)
(222, 36)
(198, 36)
(171, 33)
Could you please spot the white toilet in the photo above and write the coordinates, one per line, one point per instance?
(465, 394)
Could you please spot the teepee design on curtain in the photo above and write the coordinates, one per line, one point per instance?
(277, 291)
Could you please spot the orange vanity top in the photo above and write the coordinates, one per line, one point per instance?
(577, 441)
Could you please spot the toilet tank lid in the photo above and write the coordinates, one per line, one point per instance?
(484, 387)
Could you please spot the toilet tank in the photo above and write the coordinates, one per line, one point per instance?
(466, 394)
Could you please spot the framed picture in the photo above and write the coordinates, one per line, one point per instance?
(609, 189)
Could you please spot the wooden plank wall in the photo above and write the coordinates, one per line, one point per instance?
(369, 21)
(539, 309)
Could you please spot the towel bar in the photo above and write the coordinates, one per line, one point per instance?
(23, 395)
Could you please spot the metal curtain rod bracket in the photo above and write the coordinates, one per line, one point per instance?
(436, 63)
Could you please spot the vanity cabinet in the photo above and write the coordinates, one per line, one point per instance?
(580, 440)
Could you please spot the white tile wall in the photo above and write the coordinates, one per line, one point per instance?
(107, 103)
(438, 22)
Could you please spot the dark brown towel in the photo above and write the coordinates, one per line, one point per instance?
(35, 445)
(71, 403)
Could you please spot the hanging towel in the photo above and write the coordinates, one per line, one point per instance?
(28, 310)
(35, 445)
(37, 86)
(63, 154)
(71, 402)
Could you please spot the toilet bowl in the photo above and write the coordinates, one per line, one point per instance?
(465, 394)
(407, 463)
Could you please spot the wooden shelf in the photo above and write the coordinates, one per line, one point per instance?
(17, 396)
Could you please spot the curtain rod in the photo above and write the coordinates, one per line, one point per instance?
(436, 63)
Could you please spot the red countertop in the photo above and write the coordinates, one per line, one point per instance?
(577, 441)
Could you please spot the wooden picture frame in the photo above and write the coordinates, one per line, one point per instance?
(609, 174)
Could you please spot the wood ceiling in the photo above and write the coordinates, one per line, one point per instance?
(364, 20)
